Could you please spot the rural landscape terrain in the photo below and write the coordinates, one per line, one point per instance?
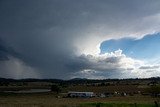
(54, 92)
(79, 53)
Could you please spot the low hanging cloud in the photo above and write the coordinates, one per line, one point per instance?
(150, 67)
(15, 68)
(114, 65)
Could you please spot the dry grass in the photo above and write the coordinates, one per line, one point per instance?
(50, 100)
(102, 89)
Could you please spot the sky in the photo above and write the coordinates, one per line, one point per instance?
(144, 48)
(64, 39)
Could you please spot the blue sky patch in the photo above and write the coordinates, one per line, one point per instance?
(147, 47)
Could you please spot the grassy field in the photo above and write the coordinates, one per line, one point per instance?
(50, 100)
(116, 105)
(101, 89)
(136, 95)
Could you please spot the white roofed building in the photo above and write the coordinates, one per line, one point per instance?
(80, 94)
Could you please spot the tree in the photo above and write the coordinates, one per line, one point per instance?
(55, 88)
(154, 90)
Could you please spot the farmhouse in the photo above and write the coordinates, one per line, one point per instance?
(80, 94)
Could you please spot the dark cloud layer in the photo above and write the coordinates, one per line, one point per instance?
(46, 37)
(149, 67)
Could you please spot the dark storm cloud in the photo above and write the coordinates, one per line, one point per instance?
(112, 65)
(3, 53)
(43, 33)
(149, 67)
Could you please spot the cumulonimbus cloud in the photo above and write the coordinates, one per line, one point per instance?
(51, 36)
(113, 65)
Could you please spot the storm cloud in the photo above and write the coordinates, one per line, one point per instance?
(111, 65)
(149, 67)
(59, 38)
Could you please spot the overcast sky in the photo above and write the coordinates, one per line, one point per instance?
(79, 38)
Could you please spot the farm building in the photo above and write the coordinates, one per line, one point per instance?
(80, 94)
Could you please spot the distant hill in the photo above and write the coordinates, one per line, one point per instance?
(79, 79)
(75, 80)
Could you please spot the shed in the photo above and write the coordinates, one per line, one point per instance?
(80, 94)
